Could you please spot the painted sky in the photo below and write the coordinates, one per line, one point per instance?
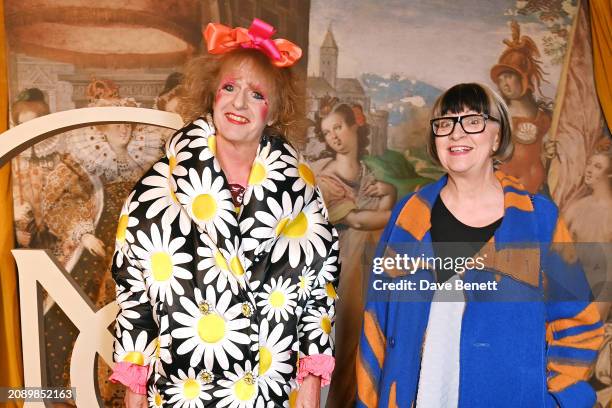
(436, 41)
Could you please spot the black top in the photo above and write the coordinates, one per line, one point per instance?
(467, 241)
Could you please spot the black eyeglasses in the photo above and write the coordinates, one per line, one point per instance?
(472, 123)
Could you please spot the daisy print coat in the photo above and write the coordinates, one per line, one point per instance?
(219, 304)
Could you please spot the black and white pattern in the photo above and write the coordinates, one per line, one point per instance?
(222, 301)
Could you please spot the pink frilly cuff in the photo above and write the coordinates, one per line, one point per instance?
(320, 365)
(131, 375)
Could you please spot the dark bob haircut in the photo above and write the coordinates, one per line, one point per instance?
(478, 98)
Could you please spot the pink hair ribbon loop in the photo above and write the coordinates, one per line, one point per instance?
(221, 39)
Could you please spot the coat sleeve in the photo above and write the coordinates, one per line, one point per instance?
(373, 342)
(136, 330)
(574, 331)
(316, 321)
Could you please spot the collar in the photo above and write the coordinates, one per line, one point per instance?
(513, 250)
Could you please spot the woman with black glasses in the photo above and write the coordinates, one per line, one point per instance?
(496, 312)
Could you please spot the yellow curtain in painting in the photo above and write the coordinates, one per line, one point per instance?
(11, 369)
(601, 29)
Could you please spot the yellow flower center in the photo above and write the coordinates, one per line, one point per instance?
(191, 389)
(211, 328)
(236, 266)
(158, 400)
(220, 261)
(161, 265)
(204, 207)
(171, 165)
(277, 299)
(122, 227)
(245, 390)
(297, 227)
(265, 360)
(281, 226)
(326, 324)
(330, 290)
(212, 144)
(134, 357)
(293, 398)
(302, 283)
(173, 195)
(258, 173)
(306, 174)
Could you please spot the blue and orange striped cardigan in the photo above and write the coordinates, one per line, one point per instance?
(514, 353)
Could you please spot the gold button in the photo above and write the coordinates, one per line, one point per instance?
(247, 311)
(207, 377)
(249, 378)
(205, 307)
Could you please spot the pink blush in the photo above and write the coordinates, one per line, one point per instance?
(264, 111)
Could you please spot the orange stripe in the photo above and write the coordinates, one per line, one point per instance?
(392, 397)
(415, 217)
(560, 382)
(561, 234)
(520, 201)
(576, 372)
(375, 337)
(590, 315)
(509, 181)
(590, 340)
(562, 240)
(366, 388)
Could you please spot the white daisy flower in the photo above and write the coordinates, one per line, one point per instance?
(188, 390)
(176, 155)
(279, 299)
(304, 233)
(137, 283)
(327, 292)
(237, 262)
(274, 350)
(208, 202)
(319, 324)
(307, 278)
(138, 352)
(164, 340)
(214, 263)
(264, 173)
(206, 139)
(160, 258)
(274, 220)
(212, 328)
(291, 390)
(321, 202)
(126, 305)
(329, 270)
(299, 168)
(161, 192)
(240, 388)
(125, 221)
(155, 399)
(124, 235)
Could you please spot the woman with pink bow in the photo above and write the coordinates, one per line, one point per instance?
(225, 259)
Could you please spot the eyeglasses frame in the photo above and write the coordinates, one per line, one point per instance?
(457, 119)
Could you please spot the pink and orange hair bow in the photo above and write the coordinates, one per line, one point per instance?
(221, 39)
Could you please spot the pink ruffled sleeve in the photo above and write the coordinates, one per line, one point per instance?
(131, 375)
(320, 365)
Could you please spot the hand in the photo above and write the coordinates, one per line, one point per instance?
(23, 238)
(93, 245)
(550, 149)
(133, 400)
(379, 189)
(309, 394)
